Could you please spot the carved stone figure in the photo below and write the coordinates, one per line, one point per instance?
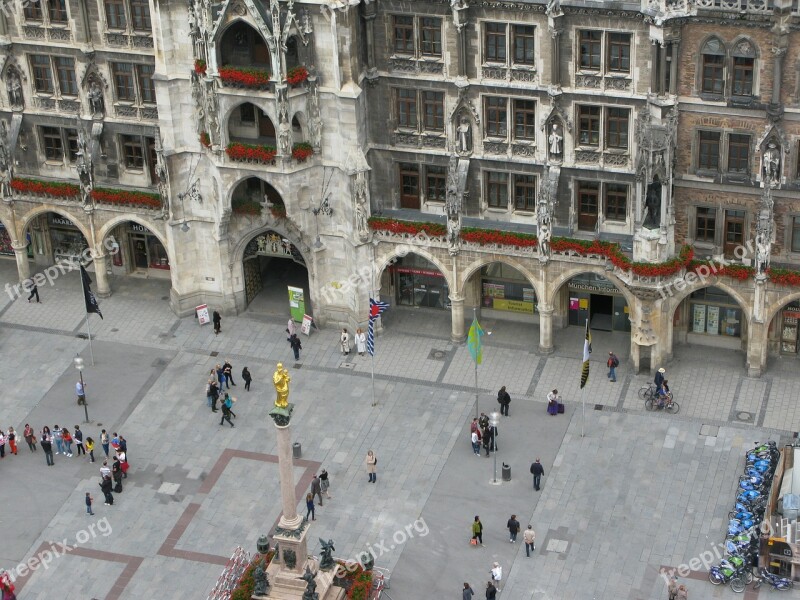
(457, 7)
(261, 580)
(14, 87)
(5, 163)
(311, 585)
(96, 103)
(284, 138)
(762, 252)
(326, 554)
(652, 205)
(360, 201)
(771, 165)
(281, 379)
(553, 8)
(314, 120)
(556, 142)
(453, 207)
(464, 130)
(543, 228)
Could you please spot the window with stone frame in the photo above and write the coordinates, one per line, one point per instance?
(590, 53)
(705, 224)
(594, 45)
(588, 125)
(435, 183)
(419, 110)
(524, 192)
(140, 15)
(403, 34)
(738, 153)
(57, 11)
(406, 108)
(616, 201)
(495, 111)
(618, 53)
(32, 11)
(42, 70)
(430, 36)
(524, 119)
(433, 110)
(496, 189)
(712, 71)
(495, 40)
(708, 150)
(743, 67)
(524, 40)
(795, 241)
(144, 78)
(132, 152)
(43, 67)
(65, 68)
(115, 14)
(54, 142)
(133, 83)
(417, 36)
(617, 127)
(509, 44)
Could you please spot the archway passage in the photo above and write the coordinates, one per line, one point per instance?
(243, 46)
(56, 239)
(414, 281)
(135, 250)
(502, 292)
(594, 297)
(784, 331)
(710, 317)
(272, 265)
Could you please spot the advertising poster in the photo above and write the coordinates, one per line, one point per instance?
(202, 314)
(712, 324)
(573, 304)
(699, 321)
(297, 303)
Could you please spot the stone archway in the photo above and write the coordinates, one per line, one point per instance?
(132, 244)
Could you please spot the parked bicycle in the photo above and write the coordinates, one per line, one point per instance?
(774, 581)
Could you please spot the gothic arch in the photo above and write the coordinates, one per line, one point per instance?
(483, 261)
(232, 188)
(382, 262)
(778, 305)
(108, 227)
(564, 277)
(25, 221)
(237, 256)
(676, 300)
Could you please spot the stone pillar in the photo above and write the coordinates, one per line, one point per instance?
(555, 57)
(673, 68)
(653, 69)
(457, 329)
(756, 348)
(289, 517)
(101, 275)
(369, 21)
(545, 329)
(662, 68)
(23, 266)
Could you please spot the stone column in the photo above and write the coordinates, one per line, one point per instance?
(662, 68)
(653, 69)
(457, 331)
(545, 329)
(673, 68)
(101, 275)
(289, 518)
(756, 348)
(555, 57)
(369, 21)
(23, 266)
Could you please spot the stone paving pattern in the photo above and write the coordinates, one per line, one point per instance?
(638, 491)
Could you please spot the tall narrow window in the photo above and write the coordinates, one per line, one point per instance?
(53, 144)
(619, 52)
(706, 224)
(132, 151)
(403, 34)
(525, 192)
(708, 155)
(524, 119)
(743, 76)
(32, 11)
(497, 189)
(495, 109)
(147, 90)
(42, 74)
(431, 36)
(57, 11)
(435, 183)
(524, 36)
(123, 81)
(589, 125)
(407, 108)
(72, 144)
(713, 60)
(409, 186)
(590, 44)
(617, 128)
(433, 110)
(115, 14)
(140, 15)
(495, 42)
(616, 201)
(738, 153)
(588, 202)
(65, 67)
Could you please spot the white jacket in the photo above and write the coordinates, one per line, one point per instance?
(497, 573)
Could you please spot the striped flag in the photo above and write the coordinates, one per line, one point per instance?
(376, 307)
(587, 352)
(474, 341)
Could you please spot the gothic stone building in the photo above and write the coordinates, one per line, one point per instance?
(219, 143)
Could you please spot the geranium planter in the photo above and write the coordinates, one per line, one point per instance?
(244, 77)
(55, 189)
(205, 139)
(126, 198)
(251, 153)
(200, 66)
(240, 206)
(296, 75)
(300, 152)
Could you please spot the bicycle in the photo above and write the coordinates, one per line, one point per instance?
(669, 406)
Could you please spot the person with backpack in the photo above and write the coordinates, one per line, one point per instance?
(226, 415)
(613, 363)
(504, 400)
(294, 342)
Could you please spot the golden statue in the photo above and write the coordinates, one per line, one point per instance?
(281, 379)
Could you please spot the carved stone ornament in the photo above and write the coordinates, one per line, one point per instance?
(6, 164)
(458, 8)
(453, 203)
(16, 98)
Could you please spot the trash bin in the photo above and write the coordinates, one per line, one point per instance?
(297, 450)
(506, 472)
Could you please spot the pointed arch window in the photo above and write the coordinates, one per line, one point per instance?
(744, 59)
(713, 68)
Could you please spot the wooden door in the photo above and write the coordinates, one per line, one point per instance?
(409, 187)
(587, 208)
(265, 127)
(734, 231)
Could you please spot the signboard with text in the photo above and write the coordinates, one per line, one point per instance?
(297, 303)
(202, 314)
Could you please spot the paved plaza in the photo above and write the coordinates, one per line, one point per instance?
(635, 493)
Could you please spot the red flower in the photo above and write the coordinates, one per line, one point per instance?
(126, 197)
(205, 139)
(410, 227)
(45, 188)
(244, 77)
(302, 151)
(784, 277)
(242, 206)
(250, 152)
(296, 75)
(200, 66)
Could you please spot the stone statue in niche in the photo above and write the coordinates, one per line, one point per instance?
(284, 137)
(652, 205)
(453, 207)
(553, 8)
(543, 227)
(762, 252)
(14, 87)
(457, 7)
(96, 103)
(360, 213)
(556, 142)
(464, 131)
(771, 165)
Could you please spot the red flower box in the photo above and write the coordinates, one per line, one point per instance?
(205, 139)
(200, 66)
(279, 212)
(784, 277)
(47, 188)
(486, 237)
(412, 227)
(126, 197)
(296, 75)
(244, 77)
(302, 151)
(250, 152)
(242, 206)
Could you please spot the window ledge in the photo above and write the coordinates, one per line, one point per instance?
(707, 174)
(711, 97)
(496, 210)
(587, 148)
(530, 68)
(525, 212)
(496, 140)
(620, 151)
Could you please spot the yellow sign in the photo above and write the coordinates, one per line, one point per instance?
(584, 303)
(513, 305)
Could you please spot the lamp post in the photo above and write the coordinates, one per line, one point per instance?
(82, 399)
(494, 419)
(324, 208)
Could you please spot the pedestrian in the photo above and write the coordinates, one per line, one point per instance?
(228, 402)
(247, 378)
(115, 441)
(659, 378)
(474, 425)
(486, 437)
(324, 484)
(483, 422)
(104, 441)
(316, 488)
(213, 375)
(105, 470)
(504, 400)
(226, 415)
(123, 463)
(476, 442)
(227, 368)
(2, 444)
(34, 291)
(208, 392)
(491, 591)
(123, 444)
(613, 363)
(296, 346)
(683, 593)
(6, 587)
(552, 402)
(214, 391)
(105, 487)
(310, 506)
(344, 342)
(78, 436)
(477, 530)
(361, 341)
(66, 438)
(90, 448)
(372, 464)
(291, 329)
(529, 537)
(30, 438)
(221, 377)
(672, 588)
(89, 501)
(12, 440)
(59, 439)
(467, 594)
(47, 445)
(116, 474)
(217, 323)
(80, 392)
(497, 575)
(537, 470)
(513, 529)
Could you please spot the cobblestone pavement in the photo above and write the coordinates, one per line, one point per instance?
(635, 493)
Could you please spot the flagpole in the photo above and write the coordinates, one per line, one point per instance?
(474, 318)
(583, 396)
(88, 330)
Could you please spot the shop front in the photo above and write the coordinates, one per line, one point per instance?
(506, 294)
(67, 241)
(788, 328)
(593, 297)
(417, 282)
(137, 250)
(713, 318)
(5, 242)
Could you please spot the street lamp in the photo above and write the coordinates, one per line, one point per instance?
(324, 208)
(494, 419)
(82, 399)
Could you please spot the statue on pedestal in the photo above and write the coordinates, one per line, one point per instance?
(771, 165)
(556, 141)
(464, 129)
(652, 205)
(281, 379)
(311, 585)
(261, 580)
(326, 554)
(96, 103)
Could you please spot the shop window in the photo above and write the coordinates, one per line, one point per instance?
(795, 234)
(589, 125)
(588, 201)
(705, 231)
(496, 189)
(617, 128)
(506, 289)
(738, 153)
(420, 283)
(708, 150)
(524, 119)
(712, 70)
(616, 201)
(495, 110)
(525, 192)
(435, 183)
(713, 312)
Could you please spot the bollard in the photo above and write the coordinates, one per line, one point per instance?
(297, 450)
(506, 472)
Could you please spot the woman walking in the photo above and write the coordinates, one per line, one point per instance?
(90, 448)
(344, 342)
(78, 437)
(29, 437)
(372, 463)
(47, 445)
(361, 341)
(477, 530)
(12, 440)
(217, 323)
(324, 483)
(246, 378)
(310, 507)
(67, 439)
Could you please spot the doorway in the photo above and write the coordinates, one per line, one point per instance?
(601, 312)
(734, 231)
(588, 201)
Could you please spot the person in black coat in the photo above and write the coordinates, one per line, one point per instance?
(294, 342)
(116, 472)
(247, 378)
(537, 470)
(217, 322)
(105, 487)
(489, 439)
(491, 591)
(504, 400)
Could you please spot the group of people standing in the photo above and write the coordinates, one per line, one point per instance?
(360, 339)
(319, 485)
(220, 379)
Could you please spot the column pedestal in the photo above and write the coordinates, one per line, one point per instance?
(756, 348)
(545, 330)
(23, 266)
(101, 275)
(457, 329)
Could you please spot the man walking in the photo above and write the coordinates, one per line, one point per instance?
(537, 470)
(89, 504)
(294, 342)
(316, 488)
(529, 537)
(467, 594)
(34, 290)
(513, 529)
(504, 400)
(78, 436)
(613, 363)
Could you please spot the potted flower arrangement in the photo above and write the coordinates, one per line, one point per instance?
(354, 579)
(278, 211)
(250, 152)
(200, 66)
(296, 75)
(244, 77)
(784, 277)
(247, 584)
(302, 151)
(411, 227)
(205, 139)
(126, 197)
(245, 206)
(45, 188)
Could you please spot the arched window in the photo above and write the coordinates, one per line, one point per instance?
(713, 61)
(744, 59)
(292, 54)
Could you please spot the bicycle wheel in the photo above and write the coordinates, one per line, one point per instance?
(737, 585)
(715, 579)
(747, 576)
(673, 408)
(644, 392)
(648, 404)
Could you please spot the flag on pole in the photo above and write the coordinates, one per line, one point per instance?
(88, 296)
(376, 308)
(474, 341)
(587, 352)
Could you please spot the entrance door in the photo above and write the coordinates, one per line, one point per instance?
(588, 196)
(734, 230)
(409, 187)
(139, 244)
(601, 311)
